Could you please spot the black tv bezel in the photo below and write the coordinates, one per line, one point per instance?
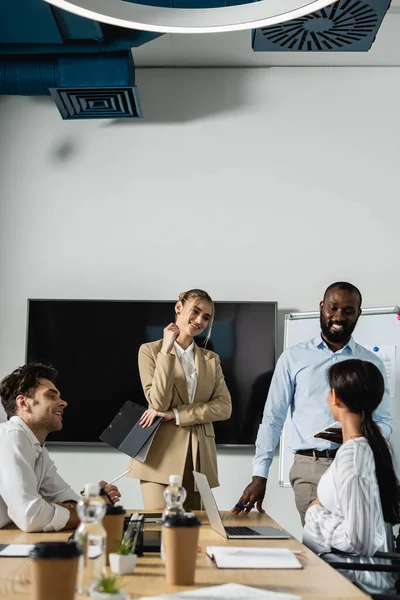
(103, 445)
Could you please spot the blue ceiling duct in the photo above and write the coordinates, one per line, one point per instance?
(87, 67)
(346, 26)
(45, 29)
(83, 87)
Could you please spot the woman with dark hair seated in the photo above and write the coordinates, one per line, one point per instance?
(358, 497)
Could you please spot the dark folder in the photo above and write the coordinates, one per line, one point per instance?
(125, 433)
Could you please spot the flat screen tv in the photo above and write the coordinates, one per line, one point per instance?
(94, 346)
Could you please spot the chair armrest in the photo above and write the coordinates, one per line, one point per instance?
(392, 555)
(351, 562)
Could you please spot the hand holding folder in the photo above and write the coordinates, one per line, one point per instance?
(127, 435)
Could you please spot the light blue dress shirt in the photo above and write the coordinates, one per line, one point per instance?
(300, 383)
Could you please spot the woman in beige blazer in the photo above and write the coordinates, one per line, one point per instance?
(184, 384)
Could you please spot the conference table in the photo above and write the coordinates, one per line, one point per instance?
(315, 581)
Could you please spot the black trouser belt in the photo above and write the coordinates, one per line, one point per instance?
(318, 453)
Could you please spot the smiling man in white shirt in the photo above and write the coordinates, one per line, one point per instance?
(32, 493)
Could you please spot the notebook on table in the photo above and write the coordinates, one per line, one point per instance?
(15, 549)
(232, 532)
(244, 557)
(127, 435)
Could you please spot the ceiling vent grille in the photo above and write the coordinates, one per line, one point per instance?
(346, 26)
(97, 103)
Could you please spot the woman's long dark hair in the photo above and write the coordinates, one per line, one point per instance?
(360, 386)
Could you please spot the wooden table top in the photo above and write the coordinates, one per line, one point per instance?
(316, 581)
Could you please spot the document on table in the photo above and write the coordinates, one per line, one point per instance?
(227, 591)
(240, 557)
(15, 549)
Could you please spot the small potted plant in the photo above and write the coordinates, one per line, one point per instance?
(123, 562)
(107, 588)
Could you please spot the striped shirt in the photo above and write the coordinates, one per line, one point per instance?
(351, 518)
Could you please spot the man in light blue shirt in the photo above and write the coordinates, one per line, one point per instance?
(300, 383)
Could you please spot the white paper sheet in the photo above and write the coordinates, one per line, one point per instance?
(143, 452)
(15, 549)
(241, 557)
(387, 354)
(333, 424)
(228, 591)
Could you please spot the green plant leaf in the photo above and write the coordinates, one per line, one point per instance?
(108, 585)
(125, 547)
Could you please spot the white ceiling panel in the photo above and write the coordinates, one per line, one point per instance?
(234, 50)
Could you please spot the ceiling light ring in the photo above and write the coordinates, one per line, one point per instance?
(183, 20)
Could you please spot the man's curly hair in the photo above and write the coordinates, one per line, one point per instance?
(23, 380)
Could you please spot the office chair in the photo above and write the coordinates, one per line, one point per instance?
(383, 562)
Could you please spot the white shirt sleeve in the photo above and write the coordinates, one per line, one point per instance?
(19, 487)
(177, 419)
(53, 487)
(280, 397)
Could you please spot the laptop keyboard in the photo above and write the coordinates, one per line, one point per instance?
(241, 531)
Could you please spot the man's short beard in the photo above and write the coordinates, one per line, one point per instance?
(336, 337)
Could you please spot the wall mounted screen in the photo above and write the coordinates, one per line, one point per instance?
(94, 346)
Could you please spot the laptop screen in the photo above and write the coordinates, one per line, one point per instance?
(210, 505)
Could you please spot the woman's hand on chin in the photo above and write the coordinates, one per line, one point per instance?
(171, 332)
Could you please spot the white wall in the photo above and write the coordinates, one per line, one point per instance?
(261, 184)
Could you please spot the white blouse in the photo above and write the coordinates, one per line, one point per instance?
(351, 518)
(189, 366)
(186, 358)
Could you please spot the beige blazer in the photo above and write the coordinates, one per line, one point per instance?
(164, 384)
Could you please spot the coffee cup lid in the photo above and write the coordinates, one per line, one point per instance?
(55, 550)
(189, 520)
(115, 510)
